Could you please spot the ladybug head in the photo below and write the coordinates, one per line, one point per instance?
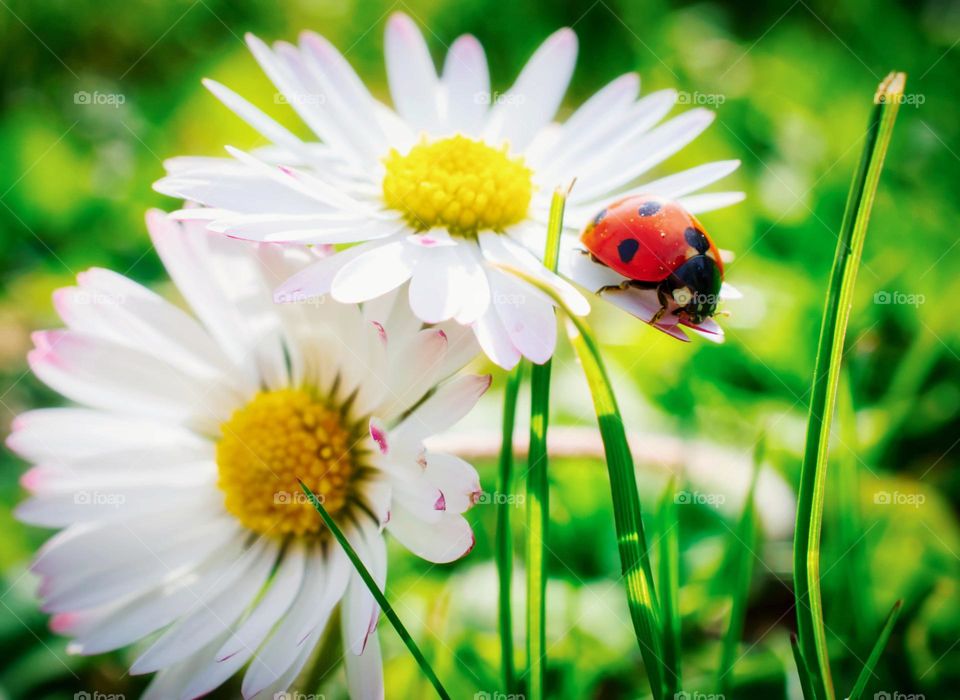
(695, 287)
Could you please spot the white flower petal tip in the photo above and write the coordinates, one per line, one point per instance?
(729, 292)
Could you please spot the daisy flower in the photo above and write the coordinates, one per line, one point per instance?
(452, 181)
(175, 480)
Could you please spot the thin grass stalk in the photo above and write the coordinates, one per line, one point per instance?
(668, 582)
(810, 625)
(876, 652)
(378, 595)
(505, 529)
(742, 566)
(631, 538)
(538, 487)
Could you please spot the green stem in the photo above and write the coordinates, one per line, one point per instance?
(505, 530)
(631, 540)
(810, 625)
(669, 582)
(377, 593)
(538, 487)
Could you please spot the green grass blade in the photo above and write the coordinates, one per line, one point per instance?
(505, 529)
(668, 582)
(876, 652)
(806, 682)
(810, 626)
(377, 593)
(741, 563)
(538, 487)
(631, 539)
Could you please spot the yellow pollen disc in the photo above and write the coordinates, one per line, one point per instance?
(267, 445)
(459, 184)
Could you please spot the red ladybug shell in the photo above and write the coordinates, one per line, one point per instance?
(646, 238)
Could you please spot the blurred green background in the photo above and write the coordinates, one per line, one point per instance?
(792, 84)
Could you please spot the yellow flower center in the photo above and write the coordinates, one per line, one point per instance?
(277, 438)
(462, 185)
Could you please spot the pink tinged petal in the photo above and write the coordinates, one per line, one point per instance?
(701, 203)
(212, 615)
(494, 340)
(379, 435)
(448, 539)
(456, 479)
(411, 73)
(103, 374)
(535, 97)
(373, 273)
(673, 331)
(642, 303)
(365, 671)
(529, 319)
(467, 83)
(451, 402)
(419, 496)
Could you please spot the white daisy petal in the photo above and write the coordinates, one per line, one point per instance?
(374, 272)
(443, 542)
(365, 672)
(494, 339)
(536, 95)
(449, 404)
(466, 81)
(254, 116)
(702, 203)
(411, 73)
(456, 479)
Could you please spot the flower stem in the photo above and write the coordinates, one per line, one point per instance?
(377, 593)
(505, 530)
(631, 539)
(538, 487)
(806, 552)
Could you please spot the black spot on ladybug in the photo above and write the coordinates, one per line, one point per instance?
(627, 248)
(649, 208)
(697, 240)
(599, 217)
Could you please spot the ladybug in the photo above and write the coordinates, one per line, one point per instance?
(657, 244)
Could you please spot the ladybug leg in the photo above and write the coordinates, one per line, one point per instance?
(662, 296)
